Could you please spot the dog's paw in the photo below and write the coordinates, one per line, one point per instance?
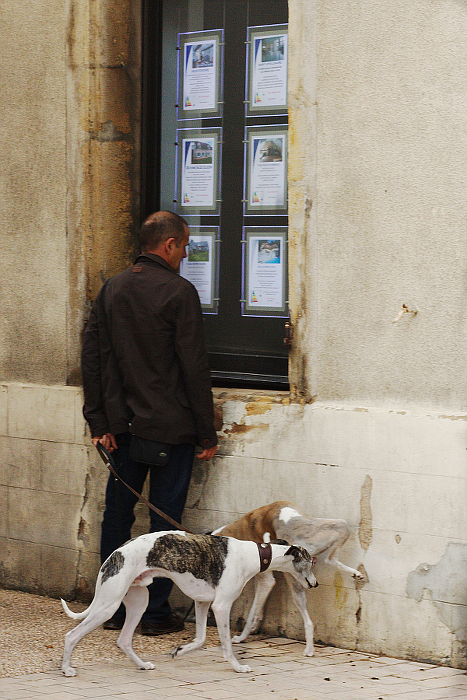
(69, 672)
(237, 639)
(175, 652)
(309, 652)
(146, 666)
(243, 668)
(358, 576)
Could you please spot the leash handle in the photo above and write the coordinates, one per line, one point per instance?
(110, 464)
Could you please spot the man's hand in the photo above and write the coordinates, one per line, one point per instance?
(107, 440)
(208, 453)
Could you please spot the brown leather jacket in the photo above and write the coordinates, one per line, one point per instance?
(153, 379)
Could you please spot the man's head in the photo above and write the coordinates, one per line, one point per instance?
(165, 234)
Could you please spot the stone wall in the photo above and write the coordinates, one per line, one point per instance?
(397, 477)
(374, 429)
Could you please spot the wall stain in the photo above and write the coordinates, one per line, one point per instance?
(340, 592)
(365, 530)
(454, 417)
(446, 584)
(237, 429)
(259, 407)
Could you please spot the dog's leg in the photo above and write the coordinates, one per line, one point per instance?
(96, 618)
(332, 560)
(201, 610)
(136, 602)
(264, 583)
(299, 598)
(221, 610)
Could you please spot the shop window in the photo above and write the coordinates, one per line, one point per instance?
(215, 151)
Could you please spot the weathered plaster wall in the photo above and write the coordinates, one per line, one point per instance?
(33, 292)
(377, 218)
(379, 115)
(397, 477)
(392, 114)
(103, 124)
(69, 175)
(302, 163)
(52, 485)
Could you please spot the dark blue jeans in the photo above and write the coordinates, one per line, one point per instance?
(168, 490)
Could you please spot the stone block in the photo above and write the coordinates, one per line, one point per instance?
(421, 636)
(3, 410)
(20, 565)
(3, 512)
(42, 518)
(86, 574)
(215, 494)
(82, 432)
(41, 412)
(402, 499)
(58, 569)
(20, 461)
(63, 468)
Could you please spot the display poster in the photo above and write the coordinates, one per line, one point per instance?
(266, 185)
(199, 82)
(200, 265)
(265, 270)
(198, 177)
(267, 74)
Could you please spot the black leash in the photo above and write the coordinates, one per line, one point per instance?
(110, 464)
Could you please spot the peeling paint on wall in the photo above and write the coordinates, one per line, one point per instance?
(446, 584)
(257, 408)
(365, 530)
(236, 429)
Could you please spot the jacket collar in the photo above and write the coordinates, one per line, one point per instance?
(151, 257)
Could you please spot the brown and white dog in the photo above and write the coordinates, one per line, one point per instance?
(281, 520)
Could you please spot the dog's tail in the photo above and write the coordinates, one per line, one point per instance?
(73, 615)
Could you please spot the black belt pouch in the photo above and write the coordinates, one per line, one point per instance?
(149, 451)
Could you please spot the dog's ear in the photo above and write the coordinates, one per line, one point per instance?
(301, 552)
(279, 542)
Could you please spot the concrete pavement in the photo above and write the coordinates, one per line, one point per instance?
(280, 672)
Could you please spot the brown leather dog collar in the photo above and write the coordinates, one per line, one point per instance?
(265, 555)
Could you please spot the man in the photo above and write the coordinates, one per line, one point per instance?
(145, 372)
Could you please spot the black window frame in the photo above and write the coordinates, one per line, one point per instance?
(253, 369)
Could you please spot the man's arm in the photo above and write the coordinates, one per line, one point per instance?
(93, 409)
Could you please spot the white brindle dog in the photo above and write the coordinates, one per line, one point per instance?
(319, 536)
(209, 569)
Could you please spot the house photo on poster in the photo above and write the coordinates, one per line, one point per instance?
(198, 171)
(265, 271)
(200, 266)
(267, 70)
(266, 170)
(200, 74)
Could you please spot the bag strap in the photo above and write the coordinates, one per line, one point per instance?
(110, 464)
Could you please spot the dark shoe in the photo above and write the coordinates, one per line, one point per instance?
(172, 623)
(114, 623)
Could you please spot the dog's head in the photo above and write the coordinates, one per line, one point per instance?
(303, 564)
